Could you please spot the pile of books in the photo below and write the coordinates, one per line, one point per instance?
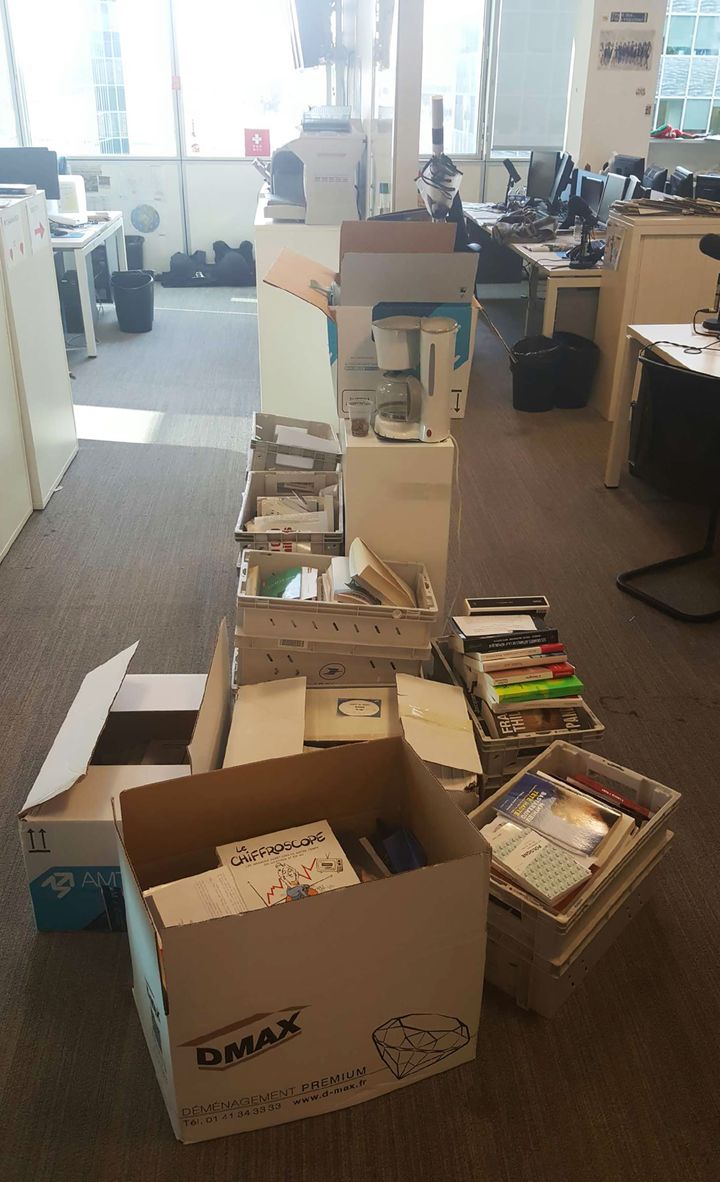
(285, 867)
(551, 836)
(361, 578)
(517, 669)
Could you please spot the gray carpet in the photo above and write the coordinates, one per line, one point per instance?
(138, 544)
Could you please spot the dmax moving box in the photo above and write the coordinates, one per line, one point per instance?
(291, 1011)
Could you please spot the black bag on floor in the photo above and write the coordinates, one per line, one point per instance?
(232, 268)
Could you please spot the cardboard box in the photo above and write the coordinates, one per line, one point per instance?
(386, 269)
(268, 1017)
(253, 665)
(279, 718)
(284, 717)
(122, 729)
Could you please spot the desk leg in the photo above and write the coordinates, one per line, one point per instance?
(531, 311)
(121, 251)
(550, 311)
(620, 438)
(86, 303)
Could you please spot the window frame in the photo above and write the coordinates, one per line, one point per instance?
(714, 98)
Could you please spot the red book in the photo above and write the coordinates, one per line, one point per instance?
(540, 673)
(610, 795)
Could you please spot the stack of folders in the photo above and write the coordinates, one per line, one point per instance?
(517, 669)
(552, 837)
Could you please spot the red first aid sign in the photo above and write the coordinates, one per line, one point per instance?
(257, 141)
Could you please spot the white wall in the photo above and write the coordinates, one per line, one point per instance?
(611, 109)
(221, 199)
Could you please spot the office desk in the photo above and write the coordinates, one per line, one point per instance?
(81, 243)
(638, 336)
(544, 266)
(547, 267)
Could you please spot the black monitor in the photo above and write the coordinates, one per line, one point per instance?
(633, 188)
(707, 186)
(614, 191)
(682, 183)
(628, 165)
(655, 178)
(592, 187)
(562, 179)
(31, 166)
(541, 174)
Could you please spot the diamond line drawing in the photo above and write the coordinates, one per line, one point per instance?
(414, 1042)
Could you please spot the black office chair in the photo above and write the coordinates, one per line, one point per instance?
(675, 447)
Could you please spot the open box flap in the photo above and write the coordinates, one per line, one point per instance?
(294, 273)
(369, 279)
(436, 724)
(75, 742)
(205, 749)
(395, 237)
(268, 721)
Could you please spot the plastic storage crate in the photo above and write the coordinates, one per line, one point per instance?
(277, 483)
(254, 665)
(544, 986)
(264, 453)
(551, 934)
(505, 757)
(334, 627)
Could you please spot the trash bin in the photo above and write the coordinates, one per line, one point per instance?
(534, 364)
(134, 250)
(578, 363)
(134, 300)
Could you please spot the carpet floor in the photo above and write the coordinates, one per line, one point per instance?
(138, 544)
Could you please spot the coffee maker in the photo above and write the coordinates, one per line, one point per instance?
(408, 408)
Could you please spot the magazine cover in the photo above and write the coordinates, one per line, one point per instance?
(287, 866)
(559, 812)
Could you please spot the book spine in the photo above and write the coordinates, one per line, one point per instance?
(508, 661)
(506, 641)
(531, 691)
(507, 603)
(541, 673)
(610, 796)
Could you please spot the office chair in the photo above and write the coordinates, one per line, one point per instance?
(674, 446)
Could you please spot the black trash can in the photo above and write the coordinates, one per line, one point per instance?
(578, 364)
(134, 300)
(534, 365)
(134, 249)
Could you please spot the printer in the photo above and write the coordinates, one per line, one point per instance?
(318, 178)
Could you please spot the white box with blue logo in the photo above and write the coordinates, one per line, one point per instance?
(386, 269)
(122, 730)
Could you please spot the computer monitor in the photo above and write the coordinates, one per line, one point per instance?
(633, 188)
(707, 186)
(562, 179)
(592, 188)
(682, 183)
(541, 174)
(31, 166)
(628, 165)
(655, 178)
(613, 191)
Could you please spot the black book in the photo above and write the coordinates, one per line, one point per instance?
(509, 640)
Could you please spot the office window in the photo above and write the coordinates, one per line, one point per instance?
(452, 67)
(237, 72)
(689, 77)
(97, 75)
(534, 57)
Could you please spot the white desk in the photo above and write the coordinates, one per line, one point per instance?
(15, 498)
(81, 243)
(638, 336)
(547, 266)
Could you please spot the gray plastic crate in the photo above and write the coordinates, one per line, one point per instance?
(264, 453)
(276, 483)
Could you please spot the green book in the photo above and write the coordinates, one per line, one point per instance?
(531, 691)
